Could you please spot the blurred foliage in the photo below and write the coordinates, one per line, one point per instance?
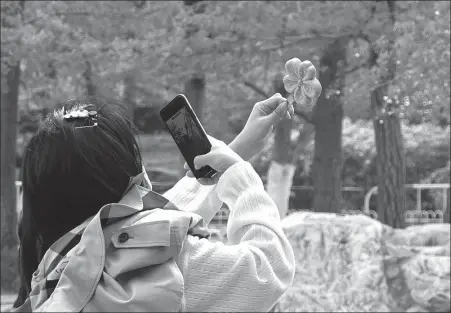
(237, 45)
(232, 42)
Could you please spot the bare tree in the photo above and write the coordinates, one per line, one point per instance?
(9, 115)
(390, 158)
(327, 118)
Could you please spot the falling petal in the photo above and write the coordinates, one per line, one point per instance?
(290, 83)
(303, 68)
(310, 73)
(314, 88)
(292, 67)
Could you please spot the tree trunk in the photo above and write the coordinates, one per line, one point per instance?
(283, 165)
(279, 182)
(8, 156)
(390, 164)
(130, 94)
(9, 116)
(327, 118)
(195, 93)
(390, 159)
(217, 121)
(91, 88)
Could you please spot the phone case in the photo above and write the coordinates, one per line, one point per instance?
(171, 109)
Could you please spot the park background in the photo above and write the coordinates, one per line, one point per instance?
(383, 118)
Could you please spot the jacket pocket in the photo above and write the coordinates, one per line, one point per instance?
(143, 235)
(138, 246)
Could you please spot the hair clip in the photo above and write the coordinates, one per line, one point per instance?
(82, 114)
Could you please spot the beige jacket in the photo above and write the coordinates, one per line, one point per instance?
(144, 254)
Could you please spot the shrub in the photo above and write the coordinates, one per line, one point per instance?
(427, 149)
(148, 120)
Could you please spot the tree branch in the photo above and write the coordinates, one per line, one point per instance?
(304, 40)
(256, 89)
(304, 116)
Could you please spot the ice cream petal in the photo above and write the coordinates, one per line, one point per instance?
(290, 83)
(298, 95)
(312, 88)
(303, 68)
(307, 102)
(310, 73)
(292, 67)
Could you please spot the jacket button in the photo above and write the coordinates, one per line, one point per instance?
(123, 237)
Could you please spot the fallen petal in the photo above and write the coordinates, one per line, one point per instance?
(292, 67)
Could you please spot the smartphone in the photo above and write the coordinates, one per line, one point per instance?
(188, 133)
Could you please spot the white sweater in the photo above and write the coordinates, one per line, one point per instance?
(255, 269)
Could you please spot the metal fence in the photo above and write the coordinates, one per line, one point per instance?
(222, 216)
(418, 215)
(164, 186)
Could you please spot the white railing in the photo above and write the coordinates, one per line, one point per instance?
(168, 184)
(419, 188)
(366, 209)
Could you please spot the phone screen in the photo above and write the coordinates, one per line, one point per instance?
(189, 138)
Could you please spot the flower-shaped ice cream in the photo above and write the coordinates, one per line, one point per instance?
(301, 82)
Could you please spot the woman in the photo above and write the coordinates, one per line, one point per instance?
(94, 237)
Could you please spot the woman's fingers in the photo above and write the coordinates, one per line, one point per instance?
(190, 174)
(269, 105)
(204, 181)
(201, 160)
(209, 181)
(280, 112)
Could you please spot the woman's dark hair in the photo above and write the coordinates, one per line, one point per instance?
(69, 173)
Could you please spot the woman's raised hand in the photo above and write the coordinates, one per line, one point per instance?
(220, 158)
(264, 117)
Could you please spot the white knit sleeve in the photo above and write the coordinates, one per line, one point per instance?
(189, 195)
(255, 269)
